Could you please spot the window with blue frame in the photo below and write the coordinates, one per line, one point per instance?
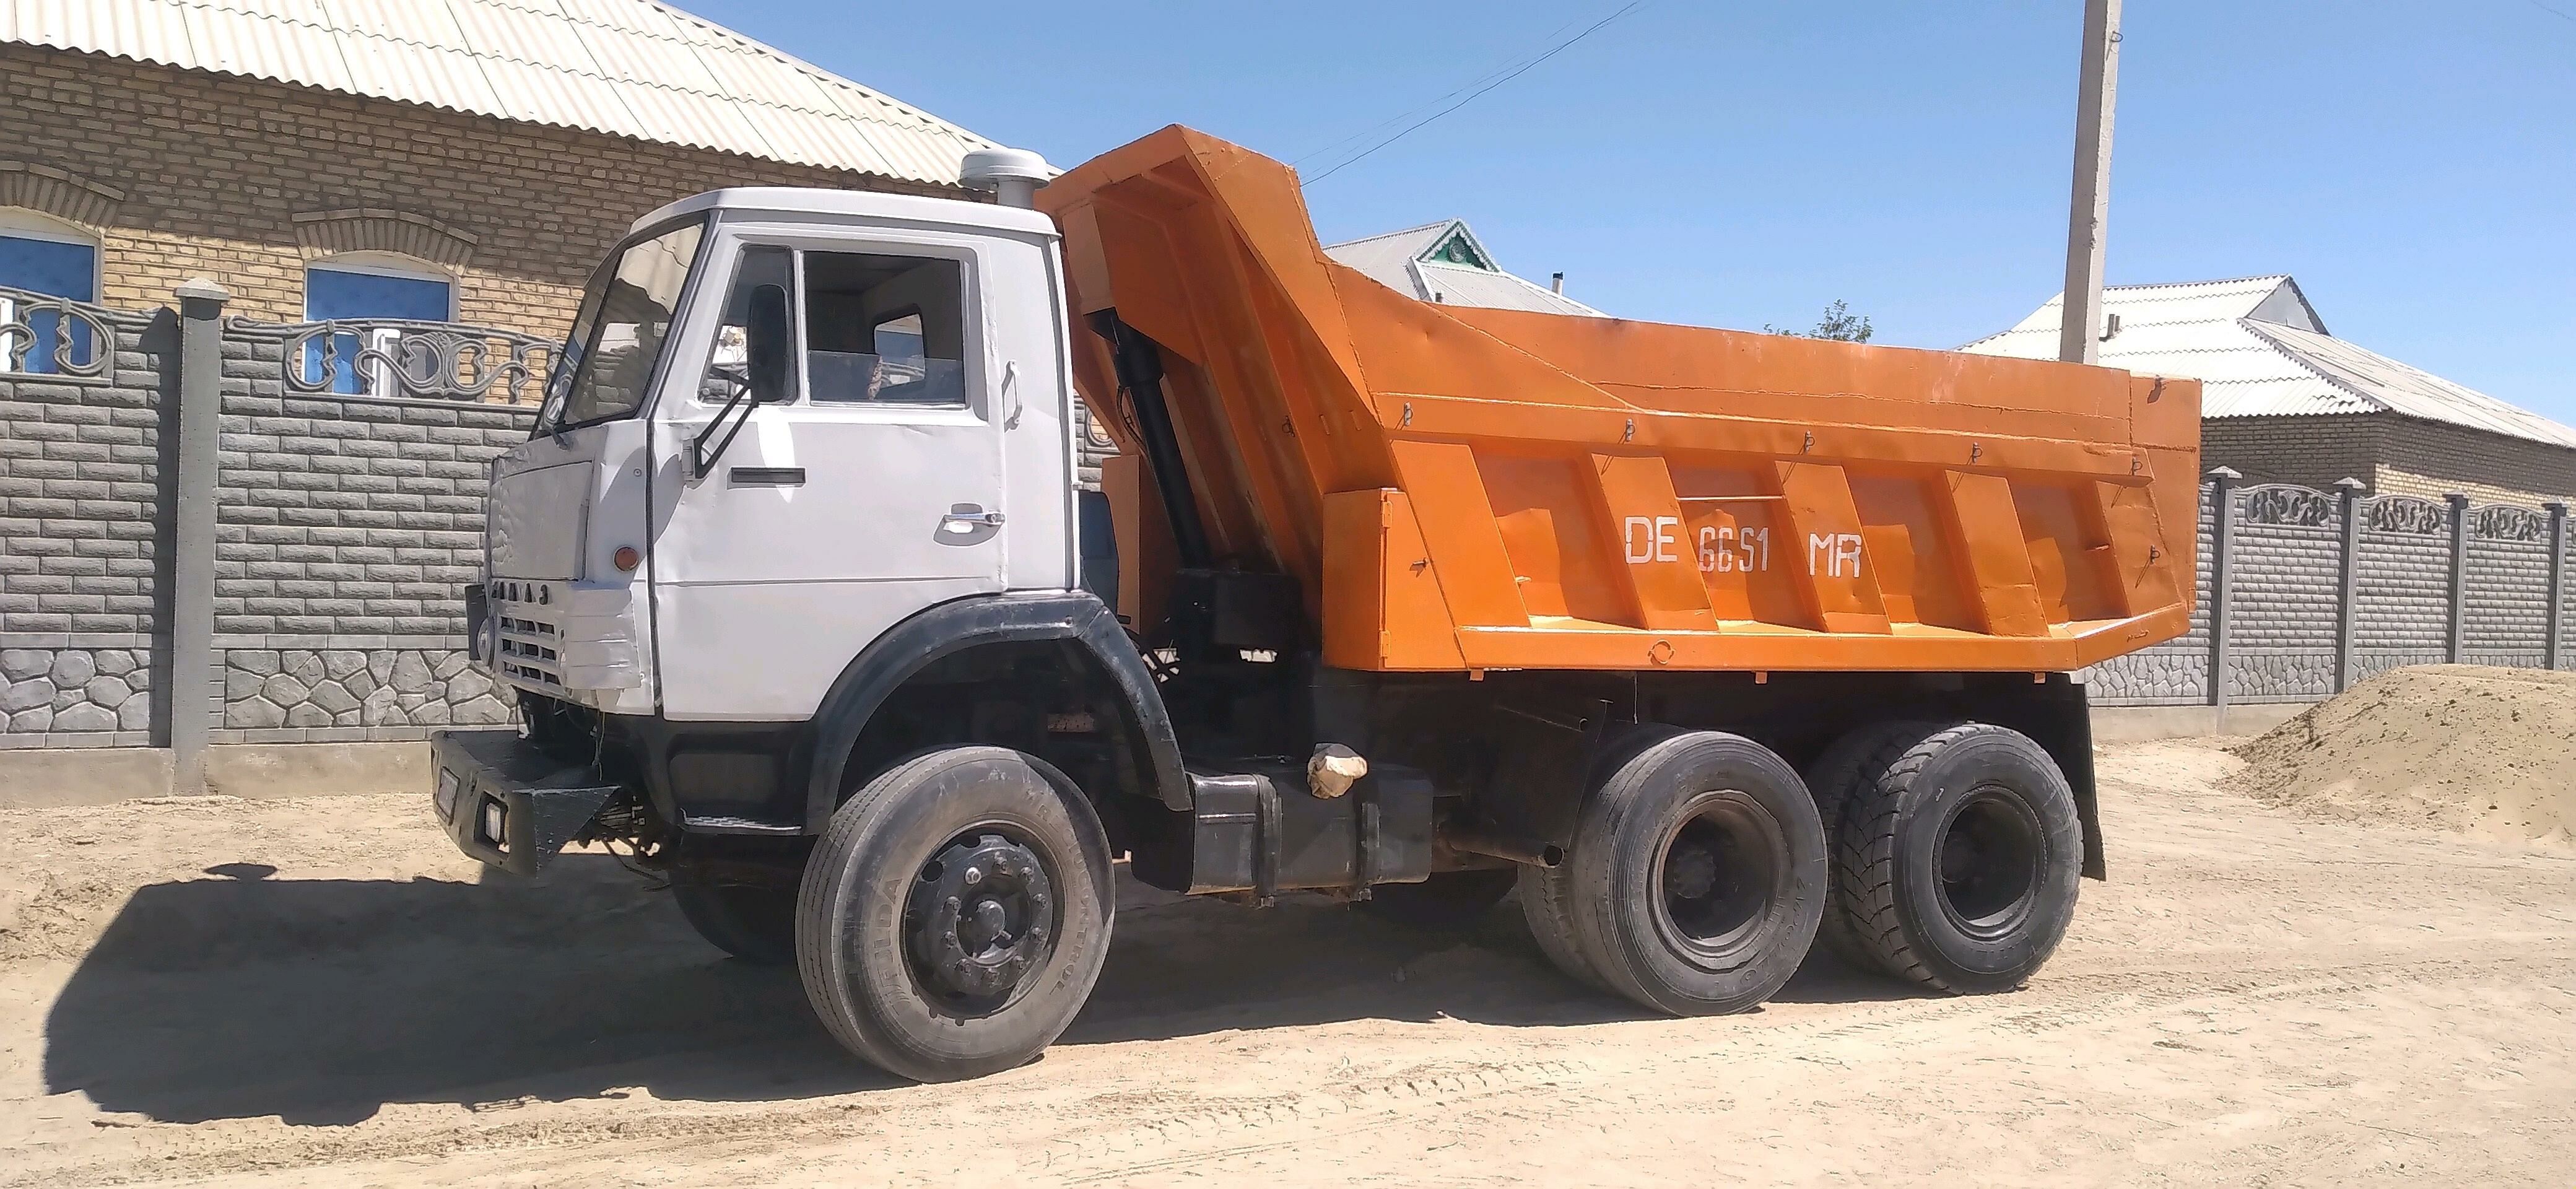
(366, 291)
(37, 260)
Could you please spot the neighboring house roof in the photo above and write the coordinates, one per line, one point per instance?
(1444, 262)
(2259, 350)
(627, 67)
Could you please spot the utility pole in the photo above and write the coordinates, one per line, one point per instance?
(2080, 325)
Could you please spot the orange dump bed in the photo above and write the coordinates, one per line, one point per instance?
(1461, 488)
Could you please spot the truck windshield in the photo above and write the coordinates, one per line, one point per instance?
(617, 336)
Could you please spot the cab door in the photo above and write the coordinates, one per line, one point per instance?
(789, 535)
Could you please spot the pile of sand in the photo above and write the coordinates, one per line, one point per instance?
(2478, 750)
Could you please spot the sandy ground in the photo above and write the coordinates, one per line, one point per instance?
(318, 992)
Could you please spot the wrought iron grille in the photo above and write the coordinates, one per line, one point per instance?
(2405, 514)
(2505, 522)
(416, 360)
(41, 335)
(2281, 503)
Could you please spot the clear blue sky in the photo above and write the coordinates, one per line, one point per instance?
(2413, 164)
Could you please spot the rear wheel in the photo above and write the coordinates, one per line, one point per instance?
(1958, 864)
(1449, 900)
(1696, 877)
(1838, 777)
(956, 914)
(757, 925)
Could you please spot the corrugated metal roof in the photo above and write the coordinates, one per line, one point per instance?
(1396, 260)
(628, 67)
(2259, 350)
(2409, 390)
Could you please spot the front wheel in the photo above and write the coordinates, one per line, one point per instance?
(757, 925)
(954, 917)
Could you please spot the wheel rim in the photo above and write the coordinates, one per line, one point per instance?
(1717, 876)
(1988, 862)
(981, 918)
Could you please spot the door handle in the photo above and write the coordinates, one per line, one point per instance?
(765, 476)
(966, 518)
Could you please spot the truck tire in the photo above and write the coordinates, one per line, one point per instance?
(1446, 902)
(755, 925)
(1697, 875)
(1542, 898)
(1835, 777)
(1958, 864)
(955, 915)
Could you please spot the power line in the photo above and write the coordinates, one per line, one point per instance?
(2552, 11)
(1470, 97)
(1410, 112)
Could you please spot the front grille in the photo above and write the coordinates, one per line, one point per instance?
(525, 645)
(558, 638)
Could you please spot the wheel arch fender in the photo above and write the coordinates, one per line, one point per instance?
(1078, 619)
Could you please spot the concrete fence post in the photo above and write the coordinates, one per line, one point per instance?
(2222, 502)
(2454, 612)
(2347, 578)
(2557, 581)
(192, 570)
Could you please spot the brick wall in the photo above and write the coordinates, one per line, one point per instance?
(2429, 458)
(2393, 455)
(185, 173)
(2308, 451)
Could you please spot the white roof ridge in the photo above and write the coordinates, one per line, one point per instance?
(2263, 330)
(1435, 225)
(2271, 277)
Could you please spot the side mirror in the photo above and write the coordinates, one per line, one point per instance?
(766, 337)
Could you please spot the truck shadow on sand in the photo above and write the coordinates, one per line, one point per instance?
(322, 1001)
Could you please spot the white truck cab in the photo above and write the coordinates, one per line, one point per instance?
(796, 522)
(674, 543)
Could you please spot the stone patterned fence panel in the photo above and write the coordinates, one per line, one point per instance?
(2505, 619)
(2402, 584)
(349, 522)
(85, 397)
(2288, 547)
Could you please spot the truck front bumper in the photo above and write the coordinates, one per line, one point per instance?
(507, 803)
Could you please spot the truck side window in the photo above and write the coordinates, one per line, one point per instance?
(727, 362)
(885, 329)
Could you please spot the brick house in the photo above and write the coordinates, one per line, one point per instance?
(356, 174)
(463, 160)
(2284, 401)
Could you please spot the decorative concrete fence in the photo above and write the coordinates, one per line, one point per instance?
(288, 513)
(2303, 592)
